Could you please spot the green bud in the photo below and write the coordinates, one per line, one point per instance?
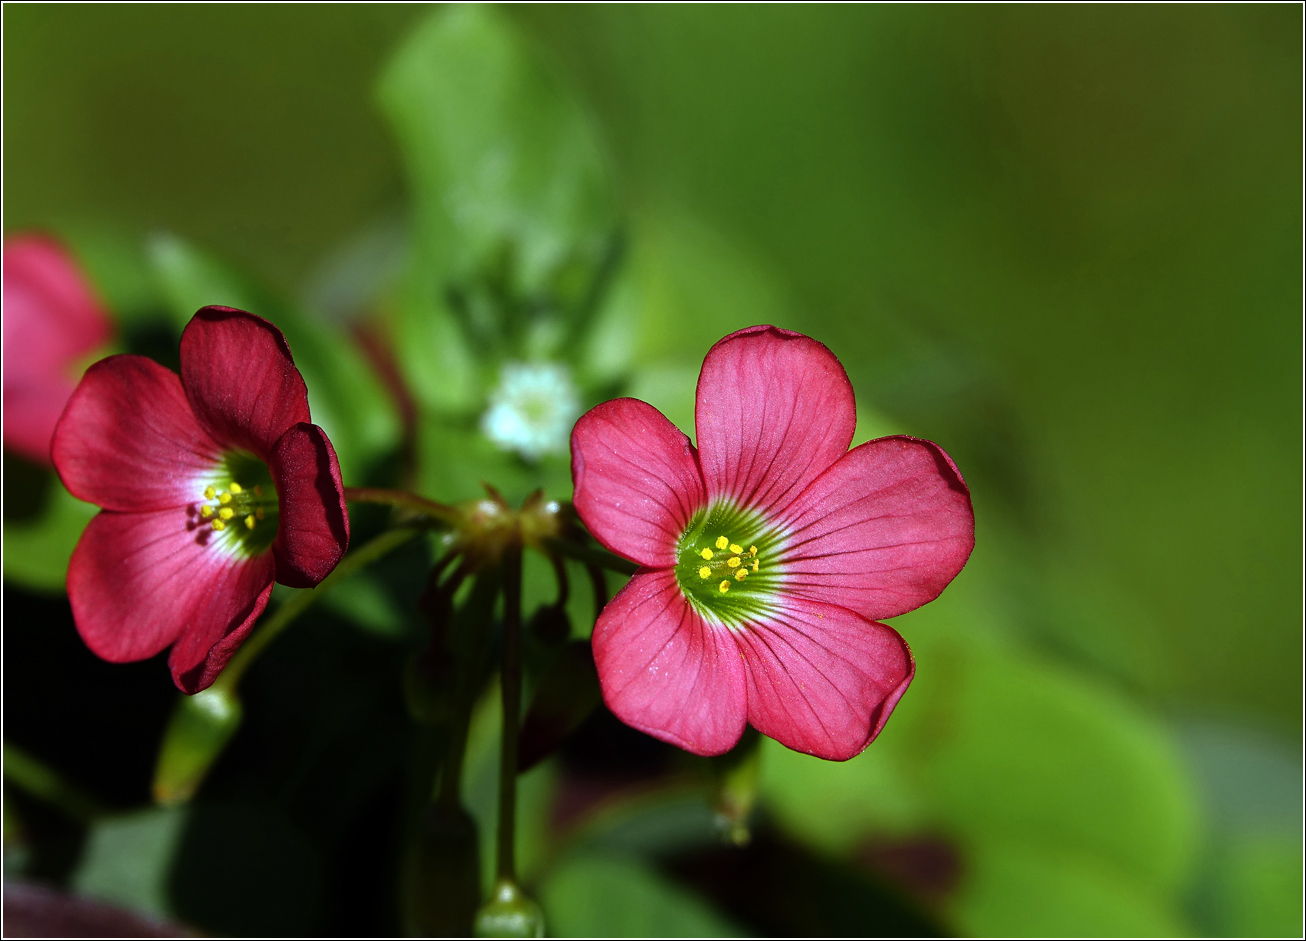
(200, 728)
(510, 913)
(736, 774)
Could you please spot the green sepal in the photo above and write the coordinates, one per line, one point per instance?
(198, 732)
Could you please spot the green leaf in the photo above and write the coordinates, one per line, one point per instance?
(345, 396)
(37, 552)
(609, 896)
(128, 859)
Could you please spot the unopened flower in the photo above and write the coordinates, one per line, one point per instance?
(768, 553)
(212, 485)
(532, 409)
(52, 320)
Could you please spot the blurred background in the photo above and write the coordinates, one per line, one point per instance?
(1063, 242)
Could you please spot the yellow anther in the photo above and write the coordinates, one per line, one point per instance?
(741, 575)
(733, 562)
(209, 493)
(735, 549)
(752, 550)
(224, 498)
(226, 513)
(259, 514)
(722, 542)
(724, 586)
(704, 572)
(258, 492)
(235, 487)
(754, 565)
(249, 521)
(206, 511)
(219, 525)
(706, 553)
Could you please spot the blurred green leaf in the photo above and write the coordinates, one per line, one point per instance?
(610, 896)
(1260, 891)
(365, 603)
(197, 733)
(345, 396)
(128, 859)
(36, 553)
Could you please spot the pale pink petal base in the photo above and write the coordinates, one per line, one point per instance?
(821, 679)
(141, 581)
(666, 671)
(883, 531)
(637, 480)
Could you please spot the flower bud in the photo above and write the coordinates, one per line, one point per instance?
(510, 913)
(200, 727)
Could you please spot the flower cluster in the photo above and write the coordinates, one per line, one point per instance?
(768, 553)
(213, 484)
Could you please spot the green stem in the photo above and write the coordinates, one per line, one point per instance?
(41, 781)
(510, 681)
(293, 608)
(597, 557)
(404, 500)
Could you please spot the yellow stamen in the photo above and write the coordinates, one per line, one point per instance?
(754, 565)
(226, 513)
(219, 525)
(722, 542)
(224, 498)
(704, 572)
(752, 550)
(733, 562)
(735, 549)
(249, 521)
(706, 553)
(235, 487)
(724, 586)
(206, 511)
(741, 575)
(209, 493)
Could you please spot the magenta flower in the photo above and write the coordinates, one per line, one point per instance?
(51, 321)
(213, 485)
(767, 553)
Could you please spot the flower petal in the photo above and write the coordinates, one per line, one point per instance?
(141, 581)
(821, 679)
(128, 439)
(240, 379)
(637, 480)
(666, 671)
(774, 409)
(31, 410)
(883, 531)
(313, 532)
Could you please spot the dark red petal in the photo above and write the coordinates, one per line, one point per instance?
(128, 440)
(774, 410)
(240, 379)
(313, 532)
(210, 642)
(821, 679)
(883, 531)
(666, 671)
(636, 478)
(138, 582)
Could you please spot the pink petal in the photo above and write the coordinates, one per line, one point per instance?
(883, 531)
(128, 439)
(774, 410)
(666, 671)
(637, 480)
(141, 581)
(240, 379)
(821, 679)
(313, 530)
(31, 410)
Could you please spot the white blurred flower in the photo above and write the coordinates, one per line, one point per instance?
(532, 410)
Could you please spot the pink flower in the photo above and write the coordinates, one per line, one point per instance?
(51, 320)
(212, 484)
(767, 553)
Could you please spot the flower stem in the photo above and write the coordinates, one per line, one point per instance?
(355, 560)
(403, 500)
(510, 682)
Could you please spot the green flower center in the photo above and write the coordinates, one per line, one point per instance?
(239, 504)
(726, 563)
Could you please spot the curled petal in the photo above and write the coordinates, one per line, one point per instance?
(821, 679)
(313, 532)
(240, 379)
(774, 409)
(668, 672)
(637, 480)
(883, 531)
(138, 582)
(128, 439)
